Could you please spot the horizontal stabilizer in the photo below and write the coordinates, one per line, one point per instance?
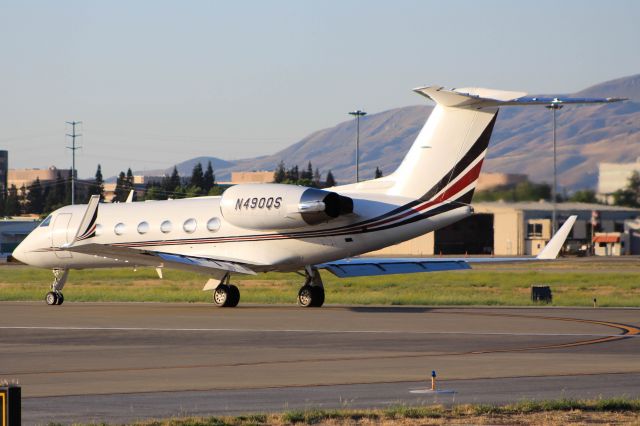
(476, 97)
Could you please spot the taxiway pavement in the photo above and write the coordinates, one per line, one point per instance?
(125, 361)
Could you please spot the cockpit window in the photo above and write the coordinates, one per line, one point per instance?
(46, 221)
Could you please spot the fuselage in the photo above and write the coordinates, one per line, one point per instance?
(196, 227)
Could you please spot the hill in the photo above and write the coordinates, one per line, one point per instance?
(521, 142)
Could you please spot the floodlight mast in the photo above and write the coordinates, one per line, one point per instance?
(554, 106)
(358, 113)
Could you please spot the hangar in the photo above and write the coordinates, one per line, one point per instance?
(520, 228)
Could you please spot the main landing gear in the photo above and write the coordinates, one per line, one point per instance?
(226, 295)
(311, 294)
(55, 297)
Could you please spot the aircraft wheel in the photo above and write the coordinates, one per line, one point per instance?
(234, 296)
(51, 298)
(221, 295)
(318, 296)
(311, 296)
(60, 299)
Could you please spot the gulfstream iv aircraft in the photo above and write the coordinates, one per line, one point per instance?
(274, 227)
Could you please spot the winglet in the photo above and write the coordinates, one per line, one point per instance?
(552, 248)
(130, 196)
(87, 228)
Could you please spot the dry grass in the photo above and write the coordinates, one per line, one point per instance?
(560, 412)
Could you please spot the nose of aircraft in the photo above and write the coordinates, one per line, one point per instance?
(20, 253)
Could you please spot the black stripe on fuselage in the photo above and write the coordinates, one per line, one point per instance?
(457, 203)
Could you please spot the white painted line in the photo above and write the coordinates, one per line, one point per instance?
(259, 330)
(434, 392)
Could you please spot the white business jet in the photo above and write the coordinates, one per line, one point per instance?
(255, 228)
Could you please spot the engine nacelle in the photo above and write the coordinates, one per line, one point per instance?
(277, 206)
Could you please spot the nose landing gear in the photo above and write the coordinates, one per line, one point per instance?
(55, 297)
(311, 294)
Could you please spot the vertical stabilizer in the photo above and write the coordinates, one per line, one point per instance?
(445, 160)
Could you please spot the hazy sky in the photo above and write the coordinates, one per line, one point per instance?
(159, 82)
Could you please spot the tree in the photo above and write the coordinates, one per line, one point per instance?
(317, 178)
(584, 196)
(307, 174)
(378, 173)
(330, 181)
(174, 180)
(56, 194)
(209, 179)
(98, 184)
(12, 203)
(523, 191)
(293, 175)
(154, 192)
(197, 178)
(35, 198)
(629, 196)
(123, 187)
(280, 174)
(216, 190)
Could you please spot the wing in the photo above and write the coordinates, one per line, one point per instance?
(362, 267)
(159, 259)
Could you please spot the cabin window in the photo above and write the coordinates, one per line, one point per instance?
(47, 221)
(98, 229)
(119, 228)
(189, 225)
(143, 228)
(214, 224)
(166, 226)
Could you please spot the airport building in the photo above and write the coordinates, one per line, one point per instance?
(494, 180)
(263, 176)
(614, 176)
(524, 228)
(12, 232)
(26, 177)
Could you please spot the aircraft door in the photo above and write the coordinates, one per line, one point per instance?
(60, 233)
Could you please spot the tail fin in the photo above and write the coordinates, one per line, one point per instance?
(445, 160)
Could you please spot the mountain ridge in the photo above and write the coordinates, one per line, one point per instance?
(521, 141)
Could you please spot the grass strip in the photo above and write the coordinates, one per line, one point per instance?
(611, 410)
(573, 284)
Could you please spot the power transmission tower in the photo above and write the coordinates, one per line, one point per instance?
(73, 148)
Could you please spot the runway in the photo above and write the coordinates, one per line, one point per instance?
(125, 361)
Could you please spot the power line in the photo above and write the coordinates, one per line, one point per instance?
(73, 149)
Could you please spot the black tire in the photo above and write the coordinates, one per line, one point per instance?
(318, 296)
(234, 296)
(60, 299)
(311, 296)
(221, 296)
(51, 298)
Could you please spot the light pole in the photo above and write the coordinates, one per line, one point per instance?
(358, 114)
(554, 106)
